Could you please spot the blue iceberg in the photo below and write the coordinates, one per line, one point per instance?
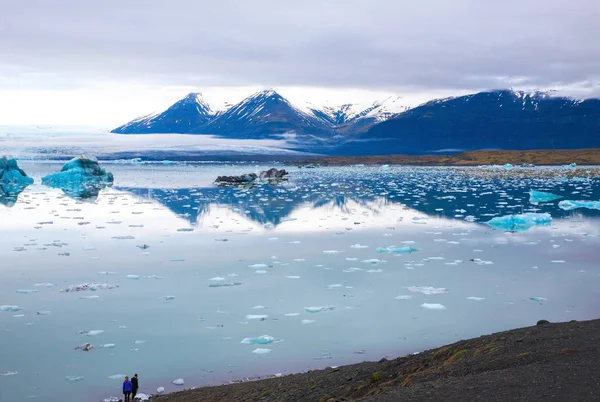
(569, 205)
(13, 181)
(397, 250)
(81, 177)
(521, 222)
(540, 196)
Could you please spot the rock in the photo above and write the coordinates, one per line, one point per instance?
(81, 177)
(243, 179)
(13, 181)
(273, 174)
(542, 322)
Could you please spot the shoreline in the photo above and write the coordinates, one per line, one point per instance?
(540, 362)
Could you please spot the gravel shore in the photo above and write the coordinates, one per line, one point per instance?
(549, 361)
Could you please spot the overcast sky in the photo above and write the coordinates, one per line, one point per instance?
(106, 62)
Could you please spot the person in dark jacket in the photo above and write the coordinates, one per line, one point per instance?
(134, 386)
(127, 389)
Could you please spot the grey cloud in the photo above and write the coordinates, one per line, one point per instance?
(371, 44)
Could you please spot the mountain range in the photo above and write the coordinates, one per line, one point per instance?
(501, 119)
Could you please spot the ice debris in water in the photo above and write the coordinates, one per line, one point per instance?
(569, 205)
(9, 373)
(403, 297)
(72, 378)
(358, 246)
(92, 286)
(261, 351)
(397, 250)
(475, 298)
(9, 308)
(538, 299)
(307, 321)
(178, 381)
(257, 317)
(45, 284)
(108, 346)
(167, 298)
(427, 290)
(260, 340)
(25, 291)
(92, 332)
(520, 222)
(132, 277)
(160, 390)
(433, 306)
(81, 177)
(318, 309)
(536, 197)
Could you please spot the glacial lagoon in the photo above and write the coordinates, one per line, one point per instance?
(174, 278)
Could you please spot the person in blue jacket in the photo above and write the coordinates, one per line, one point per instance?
(127, 389)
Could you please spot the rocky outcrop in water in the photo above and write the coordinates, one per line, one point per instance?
(249, 178)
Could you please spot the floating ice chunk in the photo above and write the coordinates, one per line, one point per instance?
(178, 381)
(260, 340)
(108, 346)
(222, 285)
(507, 166)
(261, 271)
(168, 298)
(185, 230)
(90, 297)
(307, 321)
(257, 266)
(160, 390)
(259, 307)
(318, 309)
(9, 308)
(293, 277)
(433, 306)
(374, 271)
(25, 291)
(81, 177)
(42, 313)
(142, 397)
(538, 299)
(521, 222)
(536, 197)
(261, 351)
(358, 246)
(403, 297)
(257, 317)
(92, 286)
(335, 285)
(72, 378)
(140, 342)
(132, 277)
(123, 237)
(569, 205)
(45, 284)
(93, 332)
(475, 298)
(397, 250)
(373, 261)
(479, 261)
(18, 315)
(332, 251)
(217, 278)
(352, 270)
(9, 373)
(292, 314)
(427, 290)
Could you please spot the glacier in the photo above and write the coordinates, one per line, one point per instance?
(81, 177)
(520, 222)
(569, 205)
(536, 197)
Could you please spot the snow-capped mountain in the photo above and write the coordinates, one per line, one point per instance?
(265, 114)
(351, 112)
(186, 114)
(502, 119)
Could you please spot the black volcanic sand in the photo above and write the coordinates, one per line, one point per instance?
(559, 362)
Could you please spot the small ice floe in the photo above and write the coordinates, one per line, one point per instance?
(373, 261)
(260, 340)
(185, 230)
(160, 390)
(142, 397)
(86, 347)
(257, 317)
(332, 252)
(291, 314)
(318, 309)
(352, 269)
(260, 271)
(293, 277)
(569, 205)
(167, 298)
(43, 312)
(140, 342)
(92, 286)
(72, 378)
(427, 290)
(261, 351)
(178, 381)
(335, 285)
(108, 346)
(558, 261)
(106, 273)
(294, 242)
(538, 299)
(133, 277)
(374, 271)
(475, 298)
(18, 315)
(255, 266)
(92, 332)
(222, 285)
(397, 250)
(25, 291)
(259, 307)
(307, 321)
(123, 237)
(8, 373)
(536, 197)
(358, 246)
(433, 306)
(479, 261)
(217, 278)
(520, 222)
(153, 277)
(90, 297)
(299, 259)
(44, 285)
(403, 297)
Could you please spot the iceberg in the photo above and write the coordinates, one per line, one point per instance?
(80, 178)
(520, 222)
(569, 205)
(540, 196)
(433, 306)
(260, 340)
(178, 381)
(397, 250)
(318, 309)
(261, 351)
(13, 181)
(10, 308)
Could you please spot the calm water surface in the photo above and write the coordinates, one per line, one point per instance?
(200, 268)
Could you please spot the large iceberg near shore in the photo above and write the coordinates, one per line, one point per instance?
(81, 177)
(13, 181)
(569, 205)
(520, 222)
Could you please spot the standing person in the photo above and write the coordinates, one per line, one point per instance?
(127, 389)
(134, 386)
